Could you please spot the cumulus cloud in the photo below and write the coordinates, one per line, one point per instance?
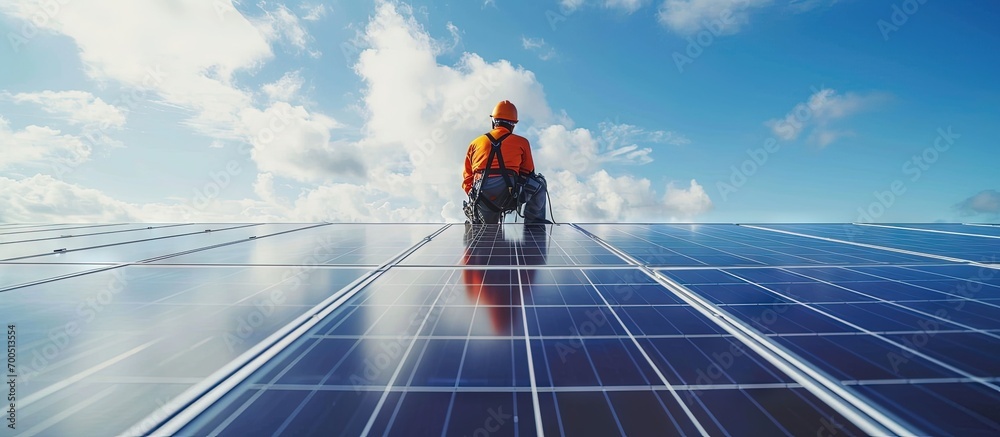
(282, 24)
(984, 202)
(726, 17)
(818, 113)
(402, 164)
(602, 197)
(42, 198)
(38, 146)
(284, 89)
(75, 107)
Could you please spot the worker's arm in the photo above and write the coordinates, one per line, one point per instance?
(467, 174)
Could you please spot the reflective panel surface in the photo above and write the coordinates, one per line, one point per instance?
(434, 329)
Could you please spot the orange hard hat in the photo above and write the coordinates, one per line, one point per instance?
(505, 110)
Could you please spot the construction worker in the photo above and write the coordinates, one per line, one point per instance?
(499, 174)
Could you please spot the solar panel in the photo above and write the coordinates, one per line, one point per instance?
(591, 329)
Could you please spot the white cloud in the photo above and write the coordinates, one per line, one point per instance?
(579, 150)
(984, 202)
(37, 146)
(282, 24)
(286, 88)
(817, 113)
(294, 143)
(724, 17)
(602, 197)
(544, 51)
(801, 6)
(403, 164)
(626, 6)
(76, 107)
(314, 12)
(42, 198)
(570, 5)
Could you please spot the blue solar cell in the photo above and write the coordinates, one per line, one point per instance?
(967, 409)
(707, 361)
(495, 363)
(444, 345)
(586, 413)
(331, 413)
(972, 352)
(499, 414)
(864, 358)
(769, 412)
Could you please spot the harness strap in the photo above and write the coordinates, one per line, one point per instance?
(495, 152)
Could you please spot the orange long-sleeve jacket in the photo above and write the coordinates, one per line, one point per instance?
(516, 156)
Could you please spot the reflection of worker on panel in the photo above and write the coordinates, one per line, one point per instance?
(499, 289)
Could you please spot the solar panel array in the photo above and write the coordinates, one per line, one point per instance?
(434, 329)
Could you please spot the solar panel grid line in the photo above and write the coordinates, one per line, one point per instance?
(197, 399)
(656, 369)
(63, 415)
(917, 285)
(48, 228)
(61, 277)
(120, 231)
(535, 403)
(747, 245)
(890, 341)
(896, 304)
(395, 375)
(41, 394)
(150, 260)
(861, 413)
(870, 246)
(858, 411)
(64, 251)
(807, 247)
(875, 225)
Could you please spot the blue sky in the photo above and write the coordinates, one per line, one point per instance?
(666, 110)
